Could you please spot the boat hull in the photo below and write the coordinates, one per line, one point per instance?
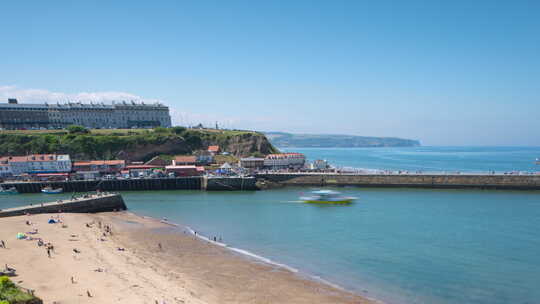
(52, 191)
(344, 201)
(9, 191)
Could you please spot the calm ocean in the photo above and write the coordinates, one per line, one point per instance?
(397, 245)
(450, 159)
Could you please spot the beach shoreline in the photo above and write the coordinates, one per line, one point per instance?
(122, 257)
(256, 257)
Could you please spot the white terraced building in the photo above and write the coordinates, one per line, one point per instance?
(5, 169)
(118, 115)
(39, 163)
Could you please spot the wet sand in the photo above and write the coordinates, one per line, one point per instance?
(159, 263)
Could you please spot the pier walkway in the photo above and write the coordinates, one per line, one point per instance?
(447, 181)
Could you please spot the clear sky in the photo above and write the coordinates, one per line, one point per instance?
(443, 72)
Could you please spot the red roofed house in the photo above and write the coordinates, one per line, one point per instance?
(184, 161)
(185, 170)
(213, 149)
(101, 166)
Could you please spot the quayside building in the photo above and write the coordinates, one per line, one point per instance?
(118, 115)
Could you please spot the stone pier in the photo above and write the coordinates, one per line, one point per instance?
(84, 204)
(442, 181)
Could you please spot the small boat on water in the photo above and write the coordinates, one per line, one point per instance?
(11, 190)
(327, 197)
(538, 160)
(50, 190)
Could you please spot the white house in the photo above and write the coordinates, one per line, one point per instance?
(5, 168)
(285, 160)
(40, 163)
(319, 164)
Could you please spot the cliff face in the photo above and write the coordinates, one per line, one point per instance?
(243, 145)
(240, 145)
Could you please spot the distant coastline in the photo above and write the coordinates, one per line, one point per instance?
(285, 140)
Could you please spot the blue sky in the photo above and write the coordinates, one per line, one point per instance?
(443, 72)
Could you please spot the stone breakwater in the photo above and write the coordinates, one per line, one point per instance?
(502, 182)
(85, 204)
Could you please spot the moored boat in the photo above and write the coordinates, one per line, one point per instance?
(327, 197)
(11, 190)
(50, 190)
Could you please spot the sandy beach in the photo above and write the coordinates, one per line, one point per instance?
(124, 258)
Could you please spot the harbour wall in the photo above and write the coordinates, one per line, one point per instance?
(266, 181)
(179, 183)
(230, 183)
(503, 182)
(89, 204)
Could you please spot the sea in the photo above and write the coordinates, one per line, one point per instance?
(430, 159)
(394, 245)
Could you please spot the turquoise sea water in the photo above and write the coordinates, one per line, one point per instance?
(397, 245)
(463, 159)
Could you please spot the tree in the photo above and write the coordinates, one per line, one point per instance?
(75, 129)
(178, 130)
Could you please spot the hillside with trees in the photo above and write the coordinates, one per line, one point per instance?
(132, 144)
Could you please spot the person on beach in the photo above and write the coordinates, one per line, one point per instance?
(49, 252)
(2, 244)
(160, 247)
